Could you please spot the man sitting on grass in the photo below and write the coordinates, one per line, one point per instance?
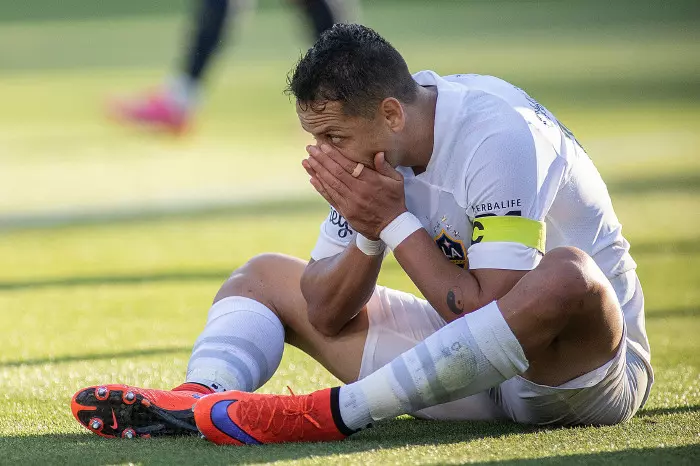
(533, 309)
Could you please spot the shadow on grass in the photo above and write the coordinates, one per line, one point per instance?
(620, 13)
(679, 182)
(222, 208)
(186, 276)
(43, 10)
(685, 246)
(671, 410)
(98, 357)
(88, 449)
(614, 90)
(675, 182)
(682, 247)
(654, 314)
(688, 454)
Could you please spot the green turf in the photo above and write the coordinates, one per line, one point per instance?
(113, 241)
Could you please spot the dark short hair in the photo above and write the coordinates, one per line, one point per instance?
(352, 64)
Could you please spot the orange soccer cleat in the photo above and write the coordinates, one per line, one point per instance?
(240, 418)
(128, 412)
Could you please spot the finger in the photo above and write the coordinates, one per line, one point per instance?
(335, 163)
(314, 178)
(385, 168)
(336, 198)
(319, 188)
(338, 157)
(322, 173)
(307, 167)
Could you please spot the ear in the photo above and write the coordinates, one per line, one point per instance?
(392, 112)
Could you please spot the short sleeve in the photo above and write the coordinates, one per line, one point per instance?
(502, 180)
(334, 237)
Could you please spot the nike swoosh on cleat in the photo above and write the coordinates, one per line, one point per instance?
(114, 420)
(223, 422)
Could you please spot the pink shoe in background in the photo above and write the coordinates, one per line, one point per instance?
(155, 110)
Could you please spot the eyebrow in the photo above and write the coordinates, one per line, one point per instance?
(323, 129)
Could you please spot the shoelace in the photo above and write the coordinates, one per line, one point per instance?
(292, 407)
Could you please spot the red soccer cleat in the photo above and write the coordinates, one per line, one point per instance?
(240, 418)
(128, 412)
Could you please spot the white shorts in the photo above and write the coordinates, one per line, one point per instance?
(610, 394)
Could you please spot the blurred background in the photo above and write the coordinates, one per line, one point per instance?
(104, 225)
(623, 75)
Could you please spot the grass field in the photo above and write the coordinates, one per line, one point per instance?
(113, 241)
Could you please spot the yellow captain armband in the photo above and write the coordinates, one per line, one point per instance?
(510, 229)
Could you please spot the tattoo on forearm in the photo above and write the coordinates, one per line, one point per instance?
(455, 301)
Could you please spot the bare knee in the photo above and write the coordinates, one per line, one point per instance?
(566, 292)
(565, 315)
(572, 277)
(263, 278)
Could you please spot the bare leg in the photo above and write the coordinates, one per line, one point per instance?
(273, 280)
(566, 317)
(560, 321)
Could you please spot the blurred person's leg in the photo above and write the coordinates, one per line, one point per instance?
(322, 14)
(209, 25)
(172, 107)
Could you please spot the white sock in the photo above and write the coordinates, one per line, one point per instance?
(354, 407)
(240, 347)
(183, 90)
(471, 354)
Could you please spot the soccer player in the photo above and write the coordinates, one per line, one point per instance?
(533, 311)
(172, 108)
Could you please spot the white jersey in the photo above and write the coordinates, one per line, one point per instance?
(498, 152)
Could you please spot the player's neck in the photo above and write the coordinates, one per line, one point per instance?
(421, 125)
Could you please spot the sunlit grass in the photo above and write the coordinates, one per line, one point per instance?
(114, 241)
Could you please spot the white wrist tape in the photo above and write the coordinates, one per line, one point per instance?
(399, 229)
(368, 246)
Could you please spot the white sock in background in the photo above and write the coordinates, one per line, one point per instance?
(240, 347)
(471, 354)
(183, 90)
